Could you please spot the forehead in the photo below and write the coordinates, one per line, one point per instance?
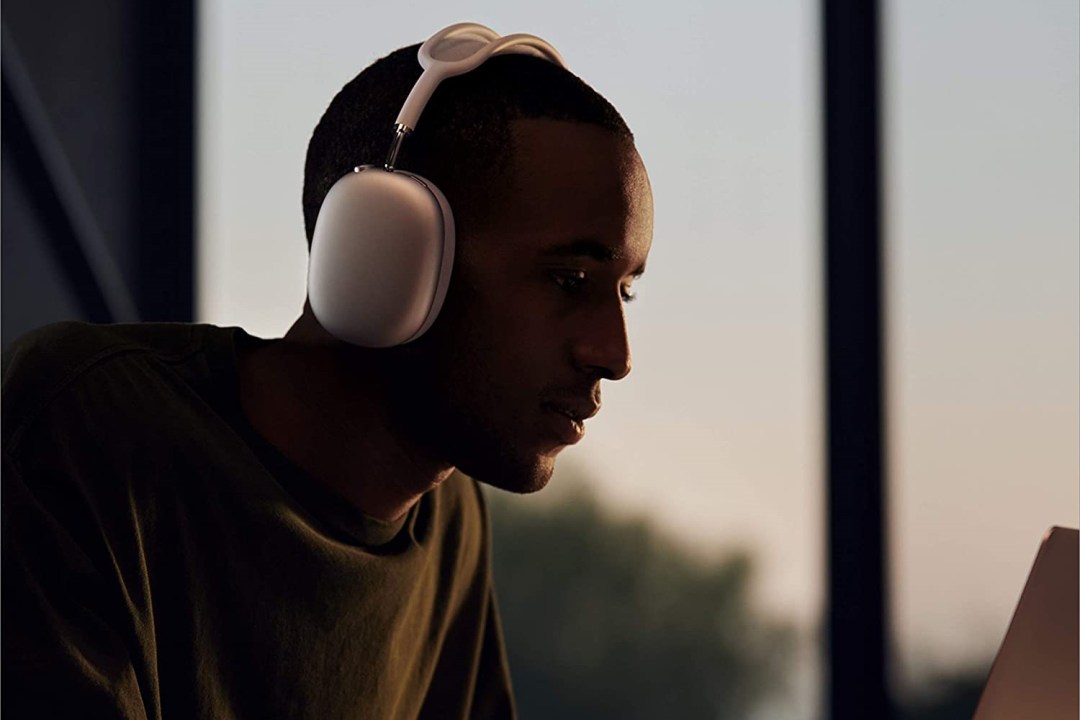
(570, 181)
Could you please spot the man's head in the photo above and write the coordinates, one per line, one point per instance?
(554, 221)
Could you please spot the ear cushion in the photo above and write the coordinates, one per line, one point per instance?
(381, 257)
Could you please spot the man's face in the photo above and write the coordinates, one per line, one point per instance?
(535, 315)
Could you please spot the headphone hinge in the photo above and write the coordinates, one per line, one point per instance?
(400, 131)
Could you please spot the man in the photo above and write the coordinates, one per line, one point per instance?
(202, 524)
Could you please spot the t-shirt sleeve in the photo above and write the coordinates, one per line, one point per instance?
(64, 649)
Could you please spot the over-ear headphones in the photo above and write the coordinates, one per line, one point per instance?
(383, 248)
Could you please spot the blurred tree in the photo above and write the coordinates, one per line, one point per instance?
(950, 695)
(606, 618)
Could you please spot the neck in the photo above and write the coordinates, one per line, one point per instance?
(320, 403)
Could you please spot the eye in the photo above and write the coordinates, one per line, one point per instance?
(574, 281)
(569, 280)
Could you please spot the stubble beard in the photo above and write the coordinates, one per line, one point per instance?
(479, 435)
(452, 407)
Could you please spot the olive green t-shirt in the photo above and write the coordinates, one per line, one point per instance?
(162, 560)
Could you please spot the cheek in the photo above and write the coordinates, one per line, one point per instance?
(504, 331)
(523, 335)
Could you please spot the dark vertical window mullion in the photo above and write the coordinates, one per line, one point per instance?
(165, 210)
(857, 630)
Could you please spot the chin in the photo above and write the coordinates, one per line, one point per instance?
(521, 477)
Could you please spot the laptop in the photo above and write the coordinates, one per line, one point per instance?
(1036, 674)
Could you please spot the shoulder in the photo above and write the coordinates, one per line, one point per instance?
(60, 351)
(461, 523)
(65, 361)
(462, 500)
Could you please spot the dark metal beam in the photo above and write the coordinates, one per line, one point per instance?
(76, 240)
(857, 597)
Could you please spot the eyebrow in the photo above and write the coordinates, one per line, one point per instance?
(588, 248)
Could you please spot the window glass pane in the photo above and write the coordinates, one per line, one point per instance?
(982, 148)
(680, 544)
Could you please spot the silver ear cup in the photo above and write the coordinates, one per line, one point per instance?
(381, 257)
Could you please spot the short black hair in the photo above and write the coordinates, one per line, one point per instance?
(462, 141)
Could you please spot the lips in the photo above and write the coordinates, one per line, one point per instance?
(567, 418)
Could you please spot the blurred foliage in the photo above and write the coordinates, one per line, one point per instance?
(607, 618)
(950, 695)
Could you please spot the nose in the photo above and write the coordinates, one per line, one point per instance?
(602, 346)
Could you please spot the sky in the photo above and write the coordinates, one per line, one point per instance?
(716, 434)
